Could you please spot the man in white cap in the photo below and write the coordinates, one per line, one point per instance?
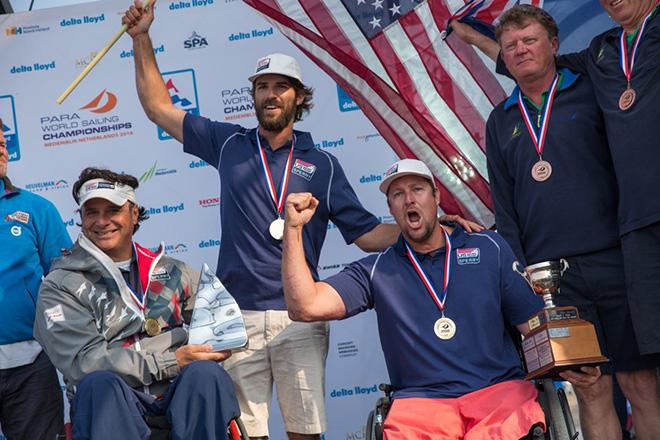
(110, 316)
(444, 299)
(257, 168)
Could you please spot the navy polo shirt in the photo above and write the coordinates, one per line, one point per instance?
(633, 135)
(249, 261)
(574, 211)
(485, 297)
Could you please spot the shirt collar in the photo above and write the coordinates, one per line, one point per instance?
(458, 238)
(6, 187)
(568, 79)
(303, 139)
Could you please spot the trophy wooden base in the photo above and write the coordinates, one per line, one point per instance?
(560, 341)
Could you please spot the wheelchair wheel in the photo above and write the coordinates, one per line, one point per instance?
(236, 430)
(560, 427)
(370, 427)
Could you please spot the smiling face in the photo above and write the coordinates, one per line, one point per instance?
(628, 13)
(275, 102)
(413, 203)
(110, 227)
(528, 52)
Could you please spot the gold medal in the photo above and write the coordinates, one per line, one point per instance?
(541, 171)
(627, 99)
(152, 327)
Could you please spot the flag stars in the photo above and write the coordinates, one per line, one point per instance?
(375, 22)
(395, 9)
(377, 4)
(359, 2)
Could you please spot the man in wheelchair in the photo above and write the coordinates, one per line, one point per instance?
(444, 300)
(110, 316)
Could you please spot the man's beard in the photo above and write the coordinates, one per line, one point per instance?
(279, 123)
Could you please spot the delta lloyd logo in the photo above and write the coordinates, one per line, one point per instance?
(47, 185)
(9, 127)
(95, 120)
(353, 391)
(186, 4)
(346, 103)
(155, 171)
(253, 33)
(102, 103)
(182, 87)
(85, 19)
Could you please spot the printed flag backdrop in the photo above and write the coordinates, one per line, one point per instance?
(386, 85)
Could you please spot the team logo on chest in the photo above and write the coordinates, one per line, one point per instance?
(160, 274)
(303, 169)
(468, 256)
(18, 216)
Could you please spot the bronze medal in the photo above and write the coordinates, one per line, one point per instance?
(627, 99)
(541, 171)
(152, 327)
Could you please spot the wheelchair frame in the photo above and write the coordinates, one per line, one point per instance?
(558, 417)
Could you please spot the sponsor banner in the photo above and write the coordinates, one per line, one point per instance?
(9, 127)
(182, 88)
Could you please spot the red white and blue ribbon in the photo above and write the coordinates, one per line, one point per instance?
(627, 65)
(277, 200)
(539, 138)
(138, 297)
(439, 301)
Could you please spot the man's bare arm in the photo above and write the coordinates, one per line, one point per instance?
(466, 33)
(306, 300)
(151, 89)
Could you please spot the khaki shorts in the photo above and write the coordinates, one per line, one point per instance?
(290, 354)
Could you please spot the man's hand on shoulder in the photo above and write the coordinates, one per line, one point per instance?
(139, 18)
(468, 225)
(299, 209)
(195, 352)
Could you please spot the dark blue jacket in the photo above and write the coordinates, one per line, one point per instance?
(574, 211)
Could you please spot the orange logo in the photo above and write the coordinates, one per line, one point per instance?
(95, 106)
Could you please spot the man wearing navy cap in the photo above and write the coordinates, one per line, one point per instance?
(445, 300)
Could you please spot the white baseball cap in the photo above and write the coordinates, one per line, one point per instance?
(405, 167)
(114, 192)
(277, 63)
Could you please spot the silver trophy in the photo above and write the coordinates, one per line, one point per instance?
(544, 278)
(558, 339)
(216, 318)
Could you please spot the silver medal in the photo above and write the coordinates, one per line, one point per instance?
(444, 328)
(276, 229)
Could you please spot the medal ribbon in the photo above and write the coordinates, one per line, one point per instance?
(278, 201)
(139, 300)
(440, 302)
(627, 65)
(539, 139)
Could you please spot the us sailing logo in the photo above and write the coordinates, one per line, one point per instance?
(182, 87)
(468, 256)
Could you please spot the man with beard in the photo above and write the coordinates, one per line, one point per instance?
(32, 234)
(445, 301)
(257, 168)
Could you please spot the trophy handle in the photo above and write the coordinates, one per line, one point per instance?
(564, 266)
(516, 268)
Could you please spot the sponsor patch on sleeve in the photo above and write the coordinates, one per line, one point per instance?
(468, 256)
(19, 216)
(53, 315)
(303, 169)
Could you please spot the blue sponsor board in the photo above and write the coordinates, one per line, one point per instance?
(182, 87)
(346, 103)
(10, 127)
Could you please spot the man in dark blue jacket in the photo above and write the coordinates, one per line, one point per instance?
(32, 234)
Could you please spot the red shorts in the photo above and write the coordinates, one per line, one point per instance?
(504, 411)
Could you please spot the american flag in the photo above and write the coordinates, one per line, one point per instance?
(428, 96)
